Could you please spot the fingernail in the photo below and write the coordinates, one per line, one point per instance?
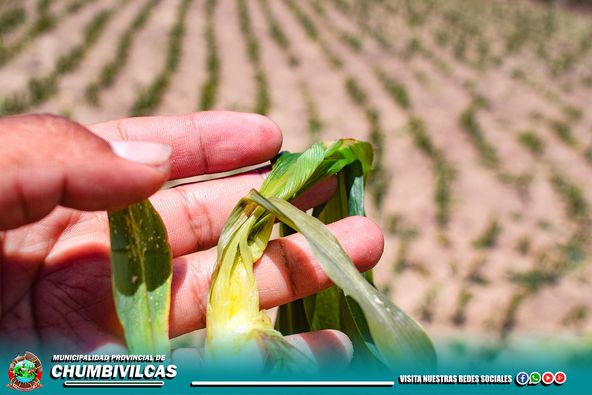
(144, 152)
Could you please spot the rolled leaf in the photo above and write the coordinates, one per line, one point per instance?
(381, 332)
(141, 277)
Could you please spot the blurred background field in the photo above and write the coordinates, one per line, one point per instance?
(479, 110)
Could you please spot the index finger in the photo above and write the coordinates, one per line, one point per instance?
(202, 142)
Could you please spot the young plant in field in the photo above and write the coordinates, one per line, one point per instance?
(352, 41)
(76, 5)
(413, 47)
(563, 131)
(444, 172)
(11, 19)
(15, 104)
(92, 32)
(113, 68)
(554, 262)
(315, 124)
(426, 310)
(588, 154)
(40, 89)
(509, 317)
(523, 245)
(572, 113)
(486, 151)
(529, 140)
(406, 234)
(402, 257)
(576, 204)
(307, 24)
(209, 89)
(475, 273)
(45, 20)
(396, 90)
(263, 100)
(534, 279)
(488, 238)
(441, 37)
(362, 13)
(151, 96)
(460, 313)
(311, 31)
(278, 34)
(43, 23)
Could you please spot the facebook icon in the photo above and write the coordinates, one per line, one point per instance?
(522, 378)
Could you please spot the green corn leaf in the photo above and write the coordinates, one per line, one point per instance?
(382, 334)
(294, 173)
(399, 340)
(141, 276)
(330, 309)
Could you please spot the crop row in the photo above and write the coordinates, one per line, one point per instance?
(379, 182)
(487, 152)
(395, 89)
(472, 32)
(311, 31)
(363, 13)
(350, 40)
(571, 112)
(11, 19)
(282, 41)
(555, 261)
(110, 71)
(278, 34)
(150, 97)
(558, 259)
(313, 118)
(263, 100)
(43, 23)
(444, 172)
(40, 89)
(209, 89)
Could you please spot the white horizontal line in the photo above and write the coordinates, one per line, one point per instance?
(113, 383)
(292, 383)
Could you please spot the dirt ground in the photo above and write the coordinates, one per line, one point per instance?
(441, 274)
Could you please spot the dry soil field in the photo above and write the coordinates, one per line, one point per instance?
(480, 111)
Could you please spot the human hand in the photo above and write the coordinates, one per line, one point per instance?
(55, 273)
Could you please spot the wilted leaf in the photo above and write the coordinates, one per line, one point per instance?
(399, 339)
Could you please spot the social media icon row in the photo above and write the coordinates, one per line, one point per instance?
(547, 378)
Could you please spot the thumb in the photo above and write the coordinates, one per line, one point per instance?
(47, 160)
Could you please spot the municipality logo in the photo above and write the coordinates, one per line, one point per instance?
(25, 372)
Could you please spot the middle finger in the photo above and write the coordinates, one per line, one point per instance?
(194, 214)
